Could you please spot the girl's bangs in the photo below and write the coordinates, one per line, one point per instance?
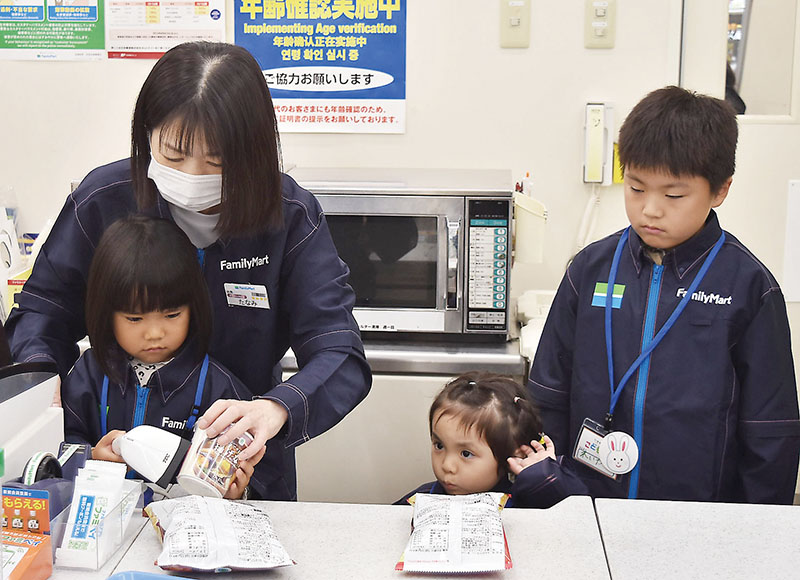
(150, 297)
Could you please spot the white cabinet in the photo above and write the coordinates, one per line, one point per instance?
(379, 451)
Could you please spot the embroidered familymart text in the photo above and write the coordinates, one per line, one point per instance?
(701, 296)
(244, 263)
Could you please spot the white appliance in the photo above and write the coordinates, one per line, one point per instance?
(28, 423)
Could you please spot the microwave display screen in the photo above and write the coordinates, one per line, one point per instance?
(392, 259)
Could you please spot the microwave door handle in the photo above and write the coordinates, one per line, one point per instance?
(453, 294)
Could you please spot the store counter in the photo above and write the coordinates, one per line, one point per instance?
(672, 539)
(640, 539)
(348, 541)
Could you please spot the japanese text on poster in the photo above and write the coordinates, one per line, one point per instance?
(148, 28)
(331, 65)
(51, 29)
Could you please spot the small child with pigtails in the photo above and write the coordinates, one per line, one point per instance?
(486, 436)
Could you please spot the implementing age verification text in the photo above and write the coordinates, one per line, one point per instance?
(326, 29)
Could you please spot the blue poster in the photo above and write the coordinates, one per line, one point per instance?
(331, 65)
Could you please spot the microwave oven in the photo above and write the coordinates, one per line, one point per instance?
(428, 249)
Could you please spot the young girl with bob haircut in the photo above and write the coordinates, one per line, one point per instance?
(205, 154)
(486, 436)
(149, 323)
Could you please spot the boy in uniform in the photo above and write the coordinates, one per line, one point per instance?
(665, 365)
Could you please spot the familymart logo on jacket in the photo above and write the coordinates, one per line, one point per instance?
(701, 296)
(244, 263)
(600, 292)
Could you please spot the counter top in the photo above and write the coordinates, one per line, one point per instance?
(350, 541)
(640, 539)
(433, 358)
(675, 539)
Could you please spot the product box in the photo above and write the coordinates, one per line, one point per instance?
(26, 556)
(14, 286)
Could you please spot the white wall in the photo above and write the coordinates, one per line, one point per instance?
(470, 104)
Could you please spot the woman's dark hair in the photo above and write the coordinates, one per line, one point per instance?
(143, 264)
(496, 406)
(683, 134)
(215, 91)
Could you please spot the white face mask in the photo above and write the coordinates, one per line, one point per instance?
(191, 192)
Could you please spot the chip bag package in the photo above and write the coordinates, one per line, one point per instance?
(215, 535)
(457, 534)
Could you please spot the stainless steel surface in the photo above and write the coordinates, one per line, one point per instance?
(436, 358)
(452, 291)
(400, 181)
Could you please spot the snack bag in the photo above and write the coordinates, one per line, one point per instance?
(457, 534)
(210, 534)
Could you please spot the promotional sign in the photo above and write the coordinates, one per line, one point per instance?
(26, 548)
(332, 66)
(52, 29)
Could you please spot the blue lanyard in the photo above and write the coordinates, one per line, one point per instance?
(198, 398)
(612, 276)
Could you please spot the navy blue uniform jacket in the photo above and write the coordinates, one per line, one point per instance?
(165, 402)
(715, 413)
(541, 485)
(310, 307)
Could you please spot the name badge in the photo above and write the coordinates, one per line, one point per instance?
(249, 295)
(589, 447)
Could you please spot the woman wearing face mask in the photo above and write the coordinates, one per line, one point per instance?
(206, 154)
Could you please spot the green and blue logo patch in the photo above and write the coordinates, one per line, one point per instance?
(600, 291)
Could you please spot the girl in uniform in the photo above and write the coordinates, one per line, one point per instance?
(149, 323)
(206, 155)
(486, 436)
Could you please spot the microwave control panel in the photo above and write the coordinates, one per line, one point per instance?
(488, 249)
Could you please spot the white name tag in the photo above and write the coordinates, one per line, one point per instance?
(249, 295)
(588, 447)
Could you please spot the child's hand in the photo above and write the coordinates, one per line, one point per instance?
(103, 449)
(243, 475)
(533, 454)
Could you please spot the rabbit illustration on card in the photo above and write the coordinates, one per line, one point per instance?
(619, 452)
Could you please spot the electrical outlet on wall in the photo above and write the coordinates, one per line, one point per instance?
(515, 23)
(600, 23)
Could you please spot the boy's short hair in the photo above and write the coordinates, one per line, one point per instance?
(682, 133)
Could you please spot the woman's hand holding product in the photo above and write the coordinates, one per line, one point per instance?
(263, 418)
(536, 452)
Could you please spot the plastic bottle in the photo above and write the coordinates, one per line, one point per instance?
(527, 184)
(8, 200)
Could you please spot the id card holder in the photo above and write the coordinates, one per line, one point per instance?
(249, 295)
(587, 447)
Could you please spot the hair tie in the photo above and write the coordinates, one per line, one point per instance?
(472, 384)
(516, 400)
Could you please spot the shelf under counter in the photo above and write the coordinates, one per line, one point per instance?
(436, 358)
